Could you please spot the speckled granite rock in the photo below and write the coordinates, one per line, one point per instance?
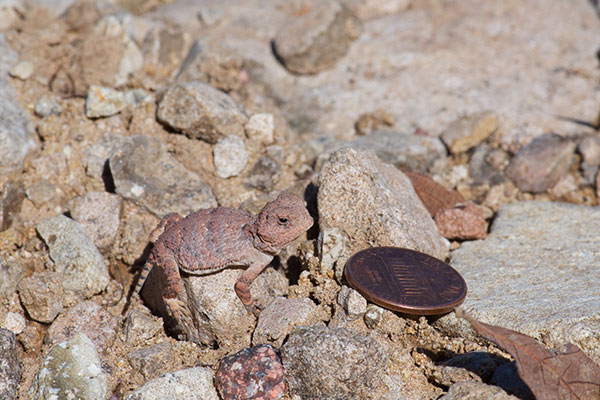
(339, 363)
(364, 202)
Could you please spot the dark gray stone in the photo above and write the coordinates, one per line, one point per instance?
(144, 172)
(339, 363)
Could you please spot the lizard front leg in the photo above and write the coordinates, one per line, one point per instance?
(242, 286)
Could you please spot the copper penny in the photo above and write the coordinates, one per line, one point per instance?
(406, 280)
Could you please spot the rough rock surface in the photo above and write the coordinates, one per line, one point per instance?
(75, 256)
(193, 384)
(219, 317)
(534, 272)
(280, 317)
(151, 361)
(540, 165)
(327, 363)
(42, 294)
(200, 111)
(316, 39)
(100, 215)
(10, 369)
(72, 369)
(89, 318)
(144, 172)
(364, 202)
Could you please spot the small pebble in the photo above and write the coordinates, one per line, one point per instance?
(260, 127)
(469, 131)
(200, 111)
(14, 322)
(75, 255)
(230, 156)
(104, 102)
(539, 165)
(47, 105)
(23, 70)
(353, 302)
(254, 373)
(41, 294)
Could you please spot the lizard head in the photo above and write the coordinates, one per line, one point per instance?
(280, 222)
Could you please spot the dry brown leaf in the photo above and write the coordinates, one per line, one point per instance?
(434, 196)
(551, 375)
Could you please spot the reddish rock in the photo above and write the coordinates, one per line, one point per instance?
(465, 222)
(253, 373)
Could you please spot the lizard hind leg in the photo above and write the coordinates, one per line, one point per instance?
(171, 287)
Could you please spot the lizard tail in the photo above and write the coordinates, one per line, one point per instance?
(142, 279)
(135, 295)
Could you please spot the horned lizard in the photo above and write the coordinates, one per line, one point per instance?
(213, 239)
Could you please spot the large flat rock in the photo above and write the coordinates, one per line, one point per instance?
(538, 272)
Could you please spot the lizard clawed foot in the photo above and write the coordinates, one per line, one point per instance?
(179, 311)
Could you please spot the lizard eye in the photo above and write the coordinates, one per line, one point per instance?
(282, 220)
